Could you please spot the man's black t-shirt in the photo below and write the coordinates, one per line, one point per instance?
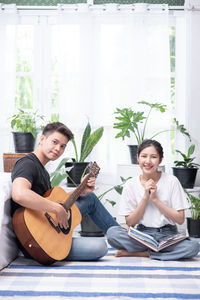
(30, 168)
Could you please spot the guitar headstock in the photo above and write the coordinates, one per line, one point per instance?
(94, 169)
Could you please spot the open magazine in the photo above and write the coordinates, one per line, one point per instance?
(151, 243)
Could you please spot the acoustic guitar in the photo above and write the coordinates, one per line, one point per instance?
(38, 231)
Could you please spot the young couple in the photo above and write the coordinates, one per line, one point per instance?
(155, 201)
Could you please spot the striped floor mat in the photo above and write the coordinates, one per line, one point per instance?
(109, 278)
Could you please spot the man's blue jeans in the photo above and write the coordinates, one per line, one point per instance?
(91, 248)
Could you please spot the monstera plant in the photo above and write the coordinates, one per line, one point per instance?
(129, 121)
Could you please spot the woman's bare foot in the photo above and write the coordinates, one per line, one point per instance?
(121, 253)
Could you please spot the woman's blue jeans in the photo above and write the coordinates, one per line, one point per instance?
(118, 238)
(91, 248)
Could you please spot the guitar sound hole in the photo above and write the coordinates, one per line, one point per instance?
(65, 231)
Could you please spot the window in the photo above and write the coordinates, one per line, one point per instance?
(24, 66)
(77, 65)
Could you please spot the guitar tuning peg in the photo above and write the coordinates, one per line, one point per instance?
(94, 168)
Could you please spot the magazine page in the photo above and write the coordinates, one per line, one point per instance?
(143, 237)
(151, 243)
(174, 238)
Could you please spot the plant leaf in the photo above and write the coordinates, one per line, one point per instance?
(85, 137)
(181, 128)
(91, 142)
(57, 179)
(194, 205)
(128, 121)
(75, 150)
(191, 150)
(62, 163)
(187, 160)
(59, 175)
(118, 189)
(111, 202)
(158, 106)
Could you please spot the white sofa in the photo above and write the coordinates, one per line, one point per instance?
(8, 247)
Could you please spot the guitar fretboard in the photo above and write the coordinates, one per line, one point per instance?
(77, 192)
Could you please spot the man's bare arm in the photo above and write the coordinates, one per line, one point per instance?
(24, 196)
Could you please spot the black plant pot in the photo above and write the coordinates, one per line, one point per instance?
(193, 227)
(76, 172)
(186, 176)
(24, 142)
(89, 228)
(133, 153)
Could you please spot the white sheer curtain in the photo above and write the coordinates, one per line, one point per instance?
(113, 58)
(191, 80)
(105, 58)
(8, 20)
(181, 51)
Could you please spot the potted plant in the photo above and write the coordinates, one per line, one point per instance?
(56, 177)
(78, 163)
(193, 222)
(186, 170)
(130, 121)
(25, 128)
(76, 169)
(88, 227)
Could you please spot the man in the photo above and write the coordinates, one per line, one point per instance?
(31, 180)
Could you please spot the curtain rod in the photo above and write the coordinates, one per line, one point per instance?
(34, 7)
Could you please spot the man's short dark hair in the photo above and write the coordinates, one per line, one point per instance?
(58, 127)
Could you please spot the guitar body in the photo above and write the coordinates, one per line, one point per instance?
(45, 242)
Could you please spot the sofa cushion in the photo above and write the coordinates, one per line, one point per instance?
(8, 247)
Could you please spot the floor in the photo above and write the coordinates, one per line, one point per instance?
(109, 278)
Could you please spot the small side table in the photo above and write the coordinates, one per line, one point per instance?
(9, 160)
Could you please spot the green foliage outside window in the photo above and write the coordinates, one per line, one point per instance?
(24, 64)
(172, 40)
(55, 117)
(24, 92)
(24, 67)
(54, 91)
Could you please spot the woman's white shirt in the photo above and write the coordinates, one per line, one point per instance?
(169, 191)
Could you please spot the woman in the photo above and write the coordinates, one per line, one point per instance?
(155, 201)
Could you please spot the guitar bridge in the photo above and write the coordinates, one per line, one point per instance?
(52, 222)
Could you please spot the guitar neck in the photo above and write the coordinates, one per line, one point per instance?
(77, 192)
